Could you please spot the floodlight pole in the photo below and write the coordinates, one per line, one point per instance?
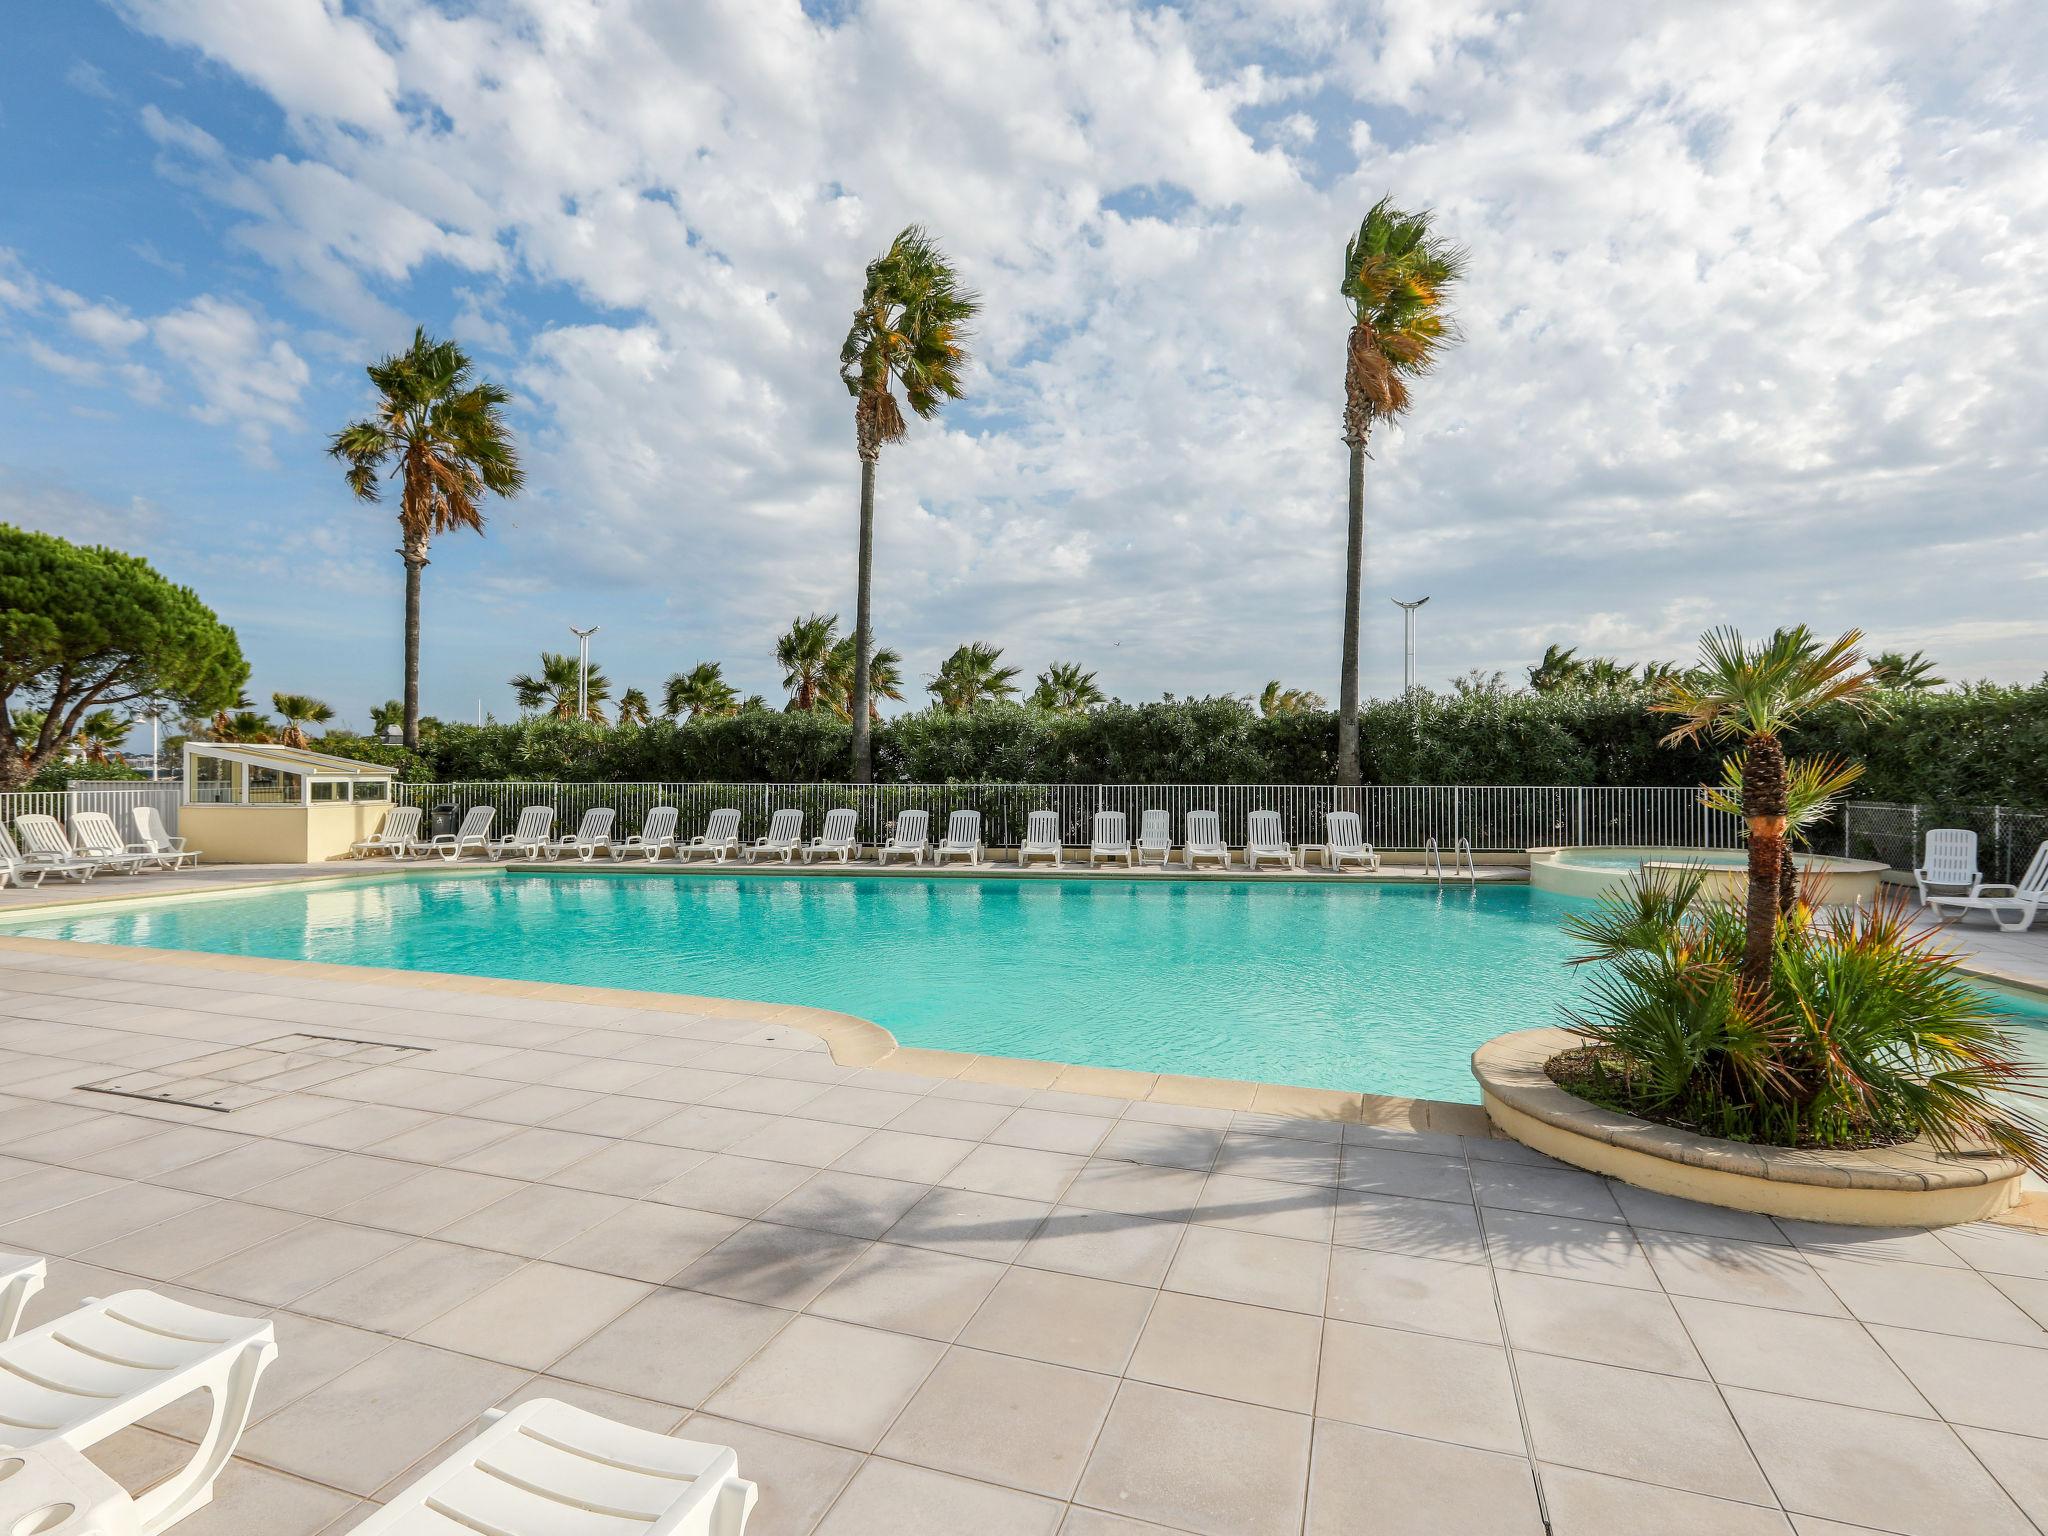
(583, 668)
(1408, 615)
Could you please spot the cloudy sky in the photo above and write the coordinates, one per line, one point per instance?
(1754, 330)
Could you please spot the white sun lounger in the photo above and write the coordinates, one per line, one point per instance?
(1155, 835)
(113, 1363)
(1041, 839)
(396, 836)
(839, 837)
(657, 832)
(20, 1278)
(1109, 838)
(592, 833)
(785, 836)
(907, 839)
(2012, 907)
(15, 866)
(547, 1469)
(1202, 840)
(152, 839)
(1344, 843)
(1950, 862)
(1266, 838)
(94, 836)
(720, 838)
(46, 843)
(962, 839)
(475, 832)
(529, 838)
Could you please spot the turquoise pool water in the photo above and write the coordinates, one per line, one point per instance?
(1378, 987)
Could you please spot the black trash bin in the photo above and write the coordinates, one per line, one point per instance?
(444, 819)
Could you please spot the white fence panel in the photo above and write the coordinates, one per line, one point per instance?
(114, 796)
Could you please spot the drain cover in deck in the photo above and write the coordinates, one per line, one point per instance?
(249, 1074)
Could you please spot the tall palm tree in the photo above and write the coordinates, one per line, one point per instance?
(804, 652)
(910, 328)
(1397, 278)
(1066, 688)
(702, 692)
(972, 675)
(1752, 696)
(633, 708)
(1275, 701)
(552, 691)
(1911, 672)
(443, 433)
(299, 711)
(885, 678)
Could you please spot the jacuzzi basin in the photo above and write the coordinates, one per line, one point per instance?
(1596, 871)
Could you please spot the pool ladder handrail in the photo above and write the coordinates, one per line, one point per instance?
(1463, 847)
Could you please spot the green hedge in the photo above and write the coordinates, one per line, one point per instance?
(1984, 743)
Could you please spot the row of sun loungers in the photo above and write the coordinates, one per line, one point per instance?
(909, 839)
(540, 1469)
(93, 846)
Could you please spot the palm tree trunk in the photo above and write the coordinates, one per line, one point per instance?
(415, 562)
(1763, 802)
(1354, 583)
(863, 763)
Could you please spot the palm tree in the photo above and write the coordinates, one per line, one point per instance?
(911, 327)
(1066, 689)
(383, 716)
(972, 676)
(553, 690)
(1814, 786)
(1397, 276)
(699, 693)
(885, 678)
(1559, 669)
(633, 707)
(299, 710)
(1908, 672)
(444, 435)
(1753, 696)
(1275, 701)
(804, 652)
(244, 725)
(100, 734)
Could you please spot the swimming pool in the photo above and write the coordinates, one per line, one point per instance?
(1386, 988)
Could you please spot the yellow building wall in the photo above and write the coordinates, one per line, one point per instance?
(278, 834)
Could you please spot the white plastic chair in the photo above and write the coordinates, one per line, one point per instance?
(475, 832)
(1155, 835)
(839, 837)
(529, 838)
(547, 1469)
(592, 833)
(1346, 843)
(962, 839)
(2012, 907)
(396, 835)
(907, 839)
(720, 838)
(94, 836)
(1950, 860)
(657, 832)
(1202, 840)
(1265, 837)
(20, 1278)
(113, 1363)
(152, 838)
(1109, 838)
(1041, 839)
(16, 866)
(785, 835)
(44, 842)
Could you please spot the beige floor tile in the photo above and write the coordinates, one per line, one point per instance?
(1655, 1429)
(1668, 1213)
(230, 1173)
(1755, 1274)
(813, 1143)
(854, 1105)
(1137, 1189)
(674, 1347)
(1021, 1423)
(534, 1315)
(850, 1203)
(632, 1169)
(201, 1236)
(896, 1154)
(249, 1499)
(950, 1118)
(1251, 1267)
(1140, 1139)
(310, 1353)
(1366, 1480)
(1570, 1250)
(1271, 1206)
(100, 1217)
(428, 1201)
(1199, 1464)
(734, 1186)
(1546, 1191)
(1380, 1170)
(533, 1221)
(147, 1157)
(887, 1498)
(1830, 1358)
(443, 1139)
(1979, 1382)
(1418, 1384)
(798, 1479)
(774, 1265)
(1593, 1504)
(828, 1381)
(768, 1095)
(410, 1287)
(1090, 1324)
(1429, 1295)
(612, 1114)
(1023, 1172)
(363, 1126)
(647, 1242)
(1286, 1159)
(909, 1290)
(1939, 1300)
(979, 1226)
(1051, 1130)
(1612, 1324)
(326, 1187)
(1228, 1349)
(1105, 1245)
(2019, 1463)
(276, 1273)
(534, 1153)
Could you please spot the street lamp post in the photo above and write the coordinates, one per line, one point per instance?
(583, 668)
(1408, 616)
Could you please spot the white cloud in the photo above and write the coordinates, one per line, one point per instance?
(105, 326)
(242, 373)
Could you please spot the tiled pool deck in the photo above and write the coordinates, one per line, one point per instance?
(927, 1303)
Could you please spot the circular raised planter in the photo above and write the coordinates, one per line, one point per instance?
(1909, 1185)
